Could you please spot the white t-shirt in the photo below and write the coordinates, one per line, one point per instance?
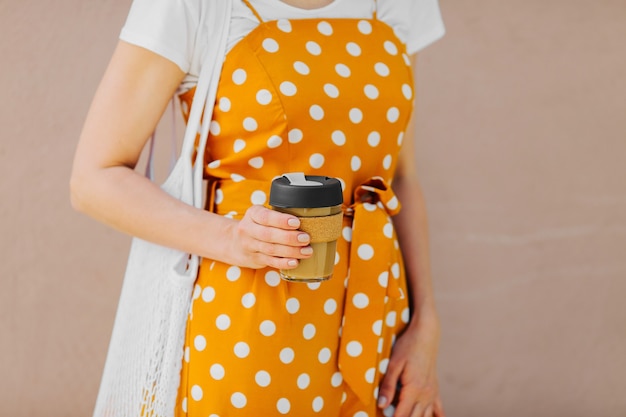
(176, 29)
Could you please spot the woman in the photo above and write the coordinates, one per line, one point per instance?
(317, 86)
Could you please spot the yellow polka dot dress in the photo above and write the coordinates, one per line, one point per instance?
(324, 97)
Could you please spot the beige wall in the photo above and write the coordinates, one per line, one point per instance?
(522, 146)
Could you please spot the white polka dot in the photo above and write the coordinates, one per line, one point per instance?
(186, 354)
(183, 405)
(355, 163)
(272, 278)
(233, 273)
(393, 114)
(314, 285)
(316, 112)
(390, 320)
(393, 203)
(353, 49)
(389, 411)
(287, 355)
(360, 300)
(377, 327)
(238, 400)
(215, 128)
(356, 116)
(361, 414)
(313, 48)
(391, 48)
(381, 69)
(370, 374)
(373, 139)
(383, 279)
(383, 365)
(381, 343)
(239, 76)
(256, 162)
(331, 90)
(270, 45)
(214, 164)
(318, 404)
(264, 97)
(324, 355)
(199, 343)
(250, 124)
(242, 350)
(388, 230)
(295, 136)
(371, 91)
(347, 233)
(407, 91)
(301, 68)
(400, 138)
(369, 207)
(316, 160)
(406, 315)
(354, 349)
(237, 177)
(196, 393)
(407, 59)
(217, 371)
(395, 270)
(325, 28)
(365, 27)
(263, 378)
(274, 141)
(197, 290)
(288, 88)
(337, 258)
(338, 137)
(293, 305)
(258, 197)
(342, 70)
(308, 332)
(208, 294)
(387, 161)
(224, 104)
(222, 322)
(283, 406)
(303, 381)
(365, 252)
(336, 379)
(239, 145)
(330, 306)
(248, 300)
(284, 25)
(267, 328)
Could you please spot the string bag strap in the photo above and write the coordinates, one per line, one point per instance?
(253, 10)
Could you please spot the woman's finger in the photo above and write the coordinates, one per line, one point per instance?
(387, 390)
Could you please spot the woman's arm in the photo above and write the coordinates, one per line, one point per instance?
(127, 106)
(413, 360)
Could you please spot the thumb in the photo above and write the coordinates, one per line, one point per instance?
(388, 385)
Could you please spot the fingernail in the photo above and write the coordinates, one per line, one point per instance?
(293, 222)
(292, 262)
(306, 251)
(303, 237)
(382, 401)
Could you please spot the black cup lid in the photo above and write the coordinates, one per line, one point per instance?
(311, 191)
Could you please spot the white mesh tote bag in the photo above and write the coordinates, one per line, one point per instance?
(142, 369)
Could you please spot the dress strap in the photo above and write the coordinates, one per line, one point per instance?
(374, 16)
(258, 16)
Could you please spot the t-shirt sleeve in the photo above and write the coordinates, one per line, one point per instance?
(418, 23)
(165, 27)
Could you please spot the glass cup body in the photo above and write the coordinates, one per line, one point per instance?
(319, 267)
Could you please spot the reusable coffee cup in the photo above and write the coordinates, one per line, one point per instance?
(316, 201)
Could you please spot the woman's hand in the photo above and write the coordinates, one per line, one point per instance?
(266, 237)
(411, 378)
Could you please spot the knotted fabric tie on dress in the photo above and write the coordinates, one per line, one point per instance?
(372, 231)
